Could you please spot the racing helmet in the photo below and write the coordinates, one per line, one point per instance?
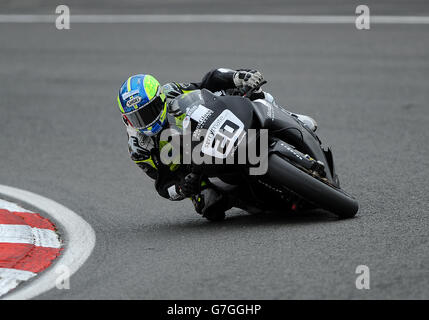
(143, 104)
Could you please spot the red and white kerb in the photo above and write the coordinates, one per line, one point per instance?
(28, 245)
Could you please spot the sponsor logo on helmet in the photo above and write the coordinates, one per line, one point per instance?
(126, 95)
(133, 101)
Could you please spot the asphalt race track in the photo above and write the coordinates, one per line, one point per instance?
(61, 136)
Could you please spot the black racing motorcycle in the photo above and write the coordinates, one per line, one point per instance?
(300, 172)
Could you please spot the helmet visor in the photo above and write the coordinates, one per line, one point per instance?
(147, 114)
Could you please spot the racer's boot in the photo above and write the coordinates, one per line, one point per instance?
(211, 204)
(308, 121)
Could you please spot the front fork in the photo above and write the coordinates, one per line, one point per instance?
(289, 152)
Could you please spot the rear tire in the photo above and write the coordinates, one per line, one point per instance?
(334, 200)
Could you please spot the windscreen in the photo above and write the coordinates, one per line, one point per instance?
(187, 101)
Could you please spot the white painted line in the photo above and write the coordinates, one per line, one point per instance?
(213, 18)
(12, 206)
(10, 233)
(10, 278)
(79, 245)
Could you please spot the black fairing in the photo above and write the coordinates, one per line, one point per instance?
(289, 129)
(242, 108)
(261, 114)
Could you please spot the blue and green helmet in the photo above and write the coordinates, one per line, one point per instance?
(142, 104)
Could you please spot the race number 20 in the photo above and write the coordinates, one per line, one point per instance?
(222, 135)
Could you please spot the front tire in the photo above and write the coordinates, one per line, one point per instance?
(321, 194)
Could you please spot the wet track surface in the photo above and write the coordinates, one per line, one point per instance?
(62, 137)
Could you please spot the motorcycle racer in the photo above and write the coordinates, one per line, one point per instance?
(147, 109)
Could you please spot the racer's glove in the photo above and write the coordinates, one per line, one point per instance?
(189, 185)
(137, 153)
(247, 79)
